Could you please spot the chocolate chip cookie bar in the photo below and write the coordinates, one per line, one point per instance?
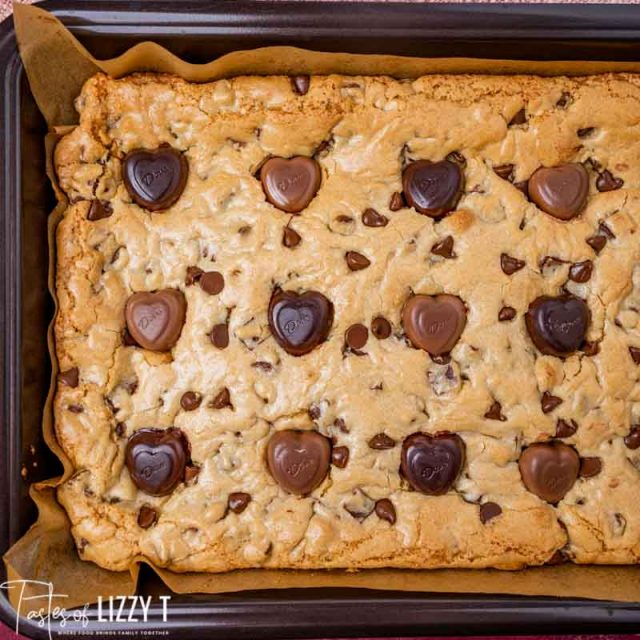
(351, 322)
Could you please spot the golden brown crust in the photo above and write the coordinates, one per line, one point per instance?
(226, 129)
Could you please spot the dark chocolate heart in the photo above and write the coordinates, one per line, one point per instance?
(290, 184)
(156, 459)
(432, 464)
(298, 460)
(434, 323)
(299, 322)
(560, 191)
(433, 188)
(549, 469)
(155, 178)
(558, 326)
(155, 320)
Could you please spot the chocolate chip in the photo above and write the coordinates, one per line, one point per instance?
(371, 218)
(356, 336)
(238, 501)
(506, 314)
(549, 402)
(604, 230)
(510, 265)
(519, 118)
(267, 367)
(432, 464)
(155, 320)
(315, 412)
(212, 282)
(380, 328)
(489, 511)
(444, 248)
(557, 326)
(131, 386)
(290, 184)
(560, 191)
(434, 323)
(291, 238)
(75, 408)
(99, 210)
(443, 359)
(155, 179)
(381, 441)
(219, 336)
(191, 472)
(121, 429)
(356, 261)
(343, 219)
(340, 457)
(299, 322)
(193, 275)
(586, 132)
(606, 181)
(495, 412)
(300, 84)
(581, 271)
(504, 171)
(635, 354)
(359, 505)
(597, 243)
(385, 510)
(590, 467)
(342, 425)
(397, 201)
(590, 348)
(564, 100)
(558, 557)
(549, 470)
(244, 230)
(222, 400)
(147, 516)
(632, 439)
(433, 188)
(565, 429)
(190, 400)
(156, 459)
(70, 377)
(298, 460)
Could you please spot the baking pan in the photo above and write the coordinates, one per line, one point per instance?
(199, 31)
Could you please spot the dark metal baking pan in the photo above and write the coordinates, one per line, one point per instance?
(199, 31)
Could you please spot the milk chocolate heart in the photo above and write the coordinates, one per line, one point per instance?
(156, 459)
(558, 326)
(434, 323)
(155, 320)
(290, 184)
(549, 469)
(156, 178)
(299, 322)
(560, 191)
(433, 188)
(432, 464)
(298, 460)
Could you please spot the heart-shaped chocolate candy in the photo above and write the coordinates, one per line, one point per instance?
(155, 320)
(290, 184)
(298, 460)
(432, 464)
(558, 326)
(156, 459)
(560, 191)
(433, 188)
(434, 323)
(155, 178)
(299, 322)
(549, 469)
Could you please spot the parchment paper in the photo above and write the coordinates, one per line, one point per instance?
(57, 65)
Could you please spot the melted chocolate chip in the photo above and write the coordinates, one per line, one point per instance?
(155, 179)
(155, 320)
(560, 191)
(581, 271)
(444, 248)
(356, 261)
(190, 400)
(290, 184)
(340, 457)
(565, 429)
(519, 118)
(397, 201)
(549, 402)
(510, 265)
(433, 188)
(156, 459)
(191, 472)
(489, 511)
(238, 501)
(219, 336)
(557, 326)
(291, 238)
(76, 408)
(385, 510)
(505, 171)
(193, 275)
(432, 464)
(356, 336)
(632, 439)
(590, 467)
(586, 132)
(315, 412)
(606, 181)
(267, 367)
(549, 470)
(597, 243)
(147, 516)
(212, 282)
(222, 400)
(300, 84)
(342, 425)
(371, 218)
(99, 210)
(635, 354)
(495, 412)
(121, 429)
(299, 322)
(434, 323)
(564, 100)
(298, 460)
(380, 328)
(70, 377)
(506, 314)
(381, 441)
